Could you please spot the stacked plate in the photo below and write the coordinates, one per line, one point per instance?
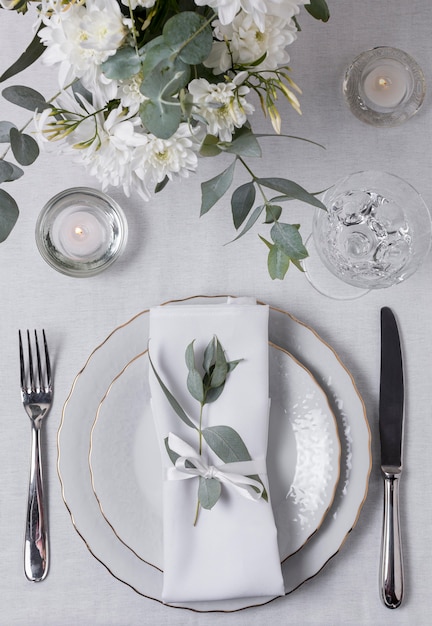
(319, 456)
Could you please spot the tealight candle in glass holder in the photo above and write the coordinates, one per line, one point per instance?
(81, 231)
(384, 86)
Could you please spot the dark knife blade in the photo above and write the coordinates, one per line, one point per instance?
(391, 405)
(391, 417)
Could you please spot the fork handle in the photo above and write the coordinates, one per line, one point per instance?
(36, 538)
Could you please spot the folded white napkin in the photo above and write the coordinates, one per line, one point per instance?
(232, 551)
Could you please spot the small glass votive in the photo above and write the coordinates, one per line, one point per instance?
(384, 86)
(81, 231)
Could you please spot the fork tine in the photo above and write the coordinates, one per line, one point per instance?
(30, 359)
(39, 384)
(47, 360)
(21, 354)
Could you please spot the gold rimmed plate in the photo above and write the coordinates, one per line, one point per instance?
(78, 416)
(303, 456)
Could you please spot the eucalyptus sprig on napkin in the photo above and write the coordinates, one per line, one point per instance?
(206, 386)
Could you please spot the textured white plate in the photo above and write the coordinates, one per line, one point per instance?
(126, 469)
(73, 450)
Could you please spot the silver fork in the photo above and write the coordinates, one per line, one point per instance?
(36, 393)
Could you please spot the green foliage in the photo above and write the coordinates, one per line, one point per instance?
(206, 386)
(318, 9)
(8, 214)
(29, 56)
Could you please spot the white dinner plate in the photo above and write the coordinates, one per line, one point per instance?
(126, 468)
(80, 409)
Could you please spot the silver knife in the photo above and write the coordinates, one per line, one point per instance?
(391, 416)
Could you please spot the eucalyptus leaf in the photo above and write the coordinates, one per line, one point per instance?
(8, 214)
(245, 145)
(209, 491)
(171, 399)
(288, 238)
(220, 371)
(242, 201)
(33, 51)
(165, 79)
(212, 190)
(226, 443)
(188, 33)
(195, 385)
(318, 9)
(213, 393)
(25, 149)
(25, 97)
(161, 185)
(292, 190)
(209, 355)
(123, 64)
(17, 172)
(5, 130)
(210, 146)
(155, 52)
(277, 262)
(6, 171)
(251, 221)
(172, 455)
(161, 118)
(273, 213)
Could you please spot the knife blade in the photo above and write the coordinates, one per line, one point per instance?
(391, 418)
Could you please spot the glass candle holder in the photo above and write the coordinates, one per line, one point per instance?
(81, 231)
(384, 86)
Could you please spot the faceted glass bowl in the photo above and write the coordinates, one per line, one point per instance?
(376, 231)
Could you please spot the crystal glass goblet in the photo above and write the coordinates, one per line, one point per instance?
(375, 233)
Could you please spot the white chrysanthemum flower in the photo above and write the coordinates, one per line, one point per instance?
(146, 4)
(129, 93)
(257, 9)
(81, 38)
(105, 146)
(223, 106)
(160, 158)
(247, 43)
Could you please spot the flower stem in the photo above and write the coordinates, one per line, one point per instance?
(198, 506)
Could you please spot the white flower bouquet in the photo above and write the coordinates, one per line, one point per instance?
(149, 86)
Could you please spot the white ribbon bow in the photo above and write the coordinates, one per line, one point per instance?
(234, 474)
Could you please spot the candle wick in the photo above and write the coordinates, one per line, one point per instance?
(383, 82)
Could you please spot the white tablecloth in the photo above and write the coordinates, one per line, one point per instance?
(172, 253)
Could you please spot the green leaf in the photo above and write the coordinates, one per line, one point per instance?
(288, 238)
(212, 190)
(226, 443)
(172, 455)
(318, 9)
(194, 380)
(220, 371)
(29, 56)
(213, 394)
(171, 399)
(273, 213)
(6, 171)
(161, 118)
(25, 149)
(245, 145)
(209, 491)
(188, 34)
(242, 200)
(5, 130)
(161, 185)
(153, 53)
(277, 263)
(251, 221)
(25, 97)
(16, 172)
(210, 146)
(123, 64)
(8, 214)
(291, 189)
(209, 355)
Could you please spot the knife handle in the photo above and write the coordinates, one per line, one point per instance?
(391, 547)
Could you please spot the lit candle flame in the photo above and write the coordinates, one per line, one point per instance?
(383, 82)
(79, 231)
